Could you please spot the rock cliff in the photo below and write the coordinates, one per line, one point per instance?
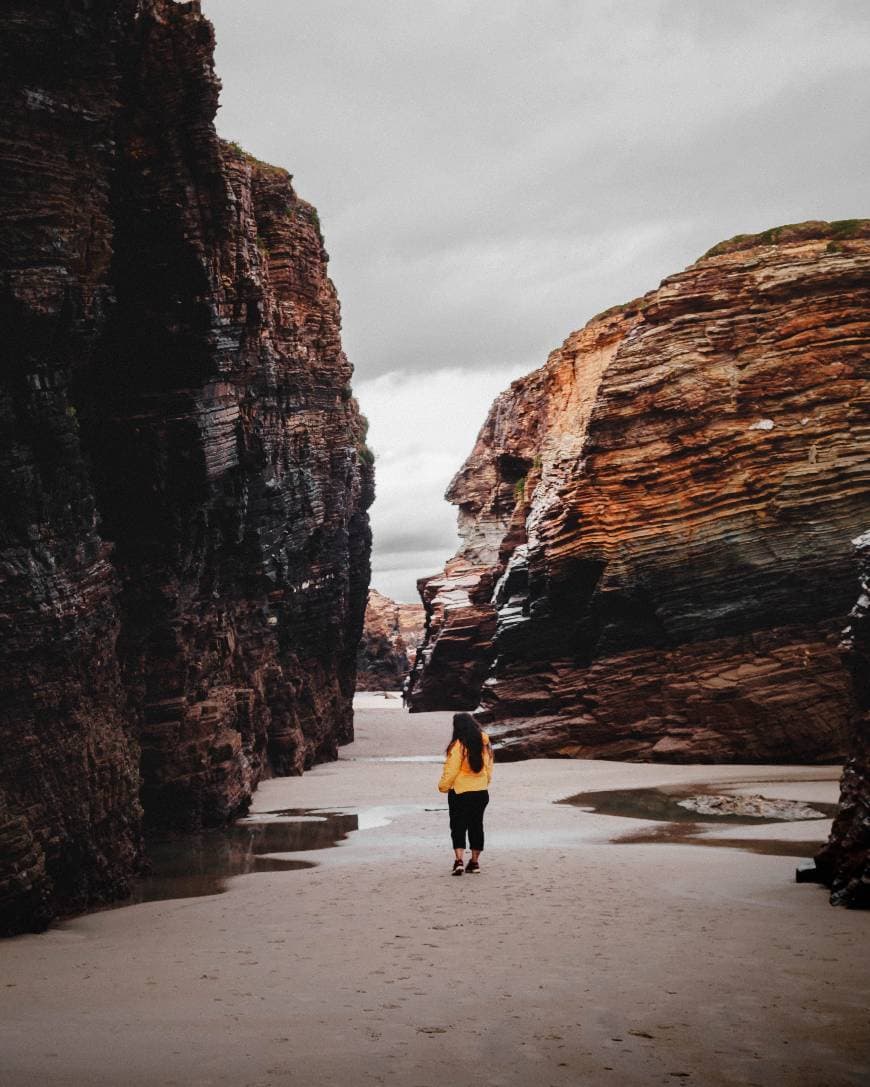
(656, 524)
(844, 863)
(391, 634)
(185, 547)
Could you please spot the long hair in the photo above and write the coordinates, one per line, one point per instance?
(466, 731)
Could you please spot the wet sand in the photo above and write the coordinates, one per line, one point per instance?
(569, 960)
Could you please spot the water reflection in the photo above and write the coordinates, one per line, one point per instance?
(379, 815)
(693, 834)
(197, 865)
(392, 758)
(662, 804)
(685, 827)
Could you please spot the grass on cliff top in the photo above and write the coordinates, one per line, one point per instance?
(296, 206)
(264, 167)
(364, 451)
(627, 308)
(838, 230)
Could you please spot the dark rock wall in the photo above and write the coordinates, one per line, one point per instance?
(844, 863)
(69, 809)
(185, 545)
(688, 472)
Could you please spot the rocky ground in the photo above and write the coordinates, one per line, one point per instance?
(569, 960)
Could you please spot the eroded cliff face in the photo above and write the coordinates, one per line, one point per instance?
(391, 634)
(185, 547)
(844, 863)
(657, 522)
(527, 426)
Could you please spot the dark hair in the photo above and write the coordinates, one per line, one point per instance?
(467, 731)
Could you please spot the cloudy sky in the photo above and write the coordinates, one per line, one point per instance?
(491, 173)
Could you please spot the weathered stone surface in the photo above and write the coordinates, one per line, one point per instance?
(750, 807)
(844, 863)
(391, 634)
(69, 810)
(664, 511)
(184, 548)
(493, 491)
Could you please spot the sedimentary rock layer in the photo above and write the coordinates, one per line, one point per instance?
(184, 477)
(656, 524)
(844, 863)
(391, 634)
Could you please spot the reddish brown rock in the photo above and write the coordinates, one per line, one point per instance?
(844, 863)
(391, 634)
(184, 547)
(493, 490)
(664, 510)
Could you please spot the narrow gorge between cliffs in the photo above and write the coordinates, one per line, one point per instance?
(657, 525)
(559, 778)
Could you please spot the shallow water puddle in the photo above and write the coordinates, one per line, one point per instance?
(693, 834)
(391, 758)
(685, 826)
(366, 818)
(189, 867)
(664, 803)
(201, 864)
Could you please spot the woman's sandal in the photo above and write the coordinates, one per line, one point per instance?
(457, 868)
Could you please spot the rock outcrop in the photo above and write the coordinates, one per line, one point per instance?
(656, 561)
(184, 548)
(391, 634)
(844, 863)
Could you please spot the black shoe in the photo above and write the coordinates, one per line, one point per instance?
(457, 868)
(473, 867)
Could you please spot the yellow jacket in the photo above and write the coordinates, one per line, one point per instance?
(459, 776)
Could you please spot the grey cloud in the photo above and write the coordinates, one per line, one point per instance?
(400, 544)
(446, 145)
(425, 560)
(491, 173)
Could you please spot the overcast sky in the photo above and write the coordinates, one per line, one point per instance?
(491, 173)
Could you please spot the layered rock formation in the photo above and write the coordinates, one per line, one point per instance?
(185, 478)
(656, 524)
(391, 634)
(844, 863)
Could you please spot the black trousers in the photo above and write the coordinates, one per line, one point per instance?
(466, 817)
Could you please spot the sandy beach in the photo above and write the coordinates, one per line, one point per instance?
(572, 959)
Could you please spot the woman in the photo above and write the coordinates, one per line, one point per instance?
(466, 777)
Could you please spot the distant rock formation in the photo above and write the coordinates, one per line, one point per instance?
(391, 634)
(844, 863)
(184, 547)
(656, 524)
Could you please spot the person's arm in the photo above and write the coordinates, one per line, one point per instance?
(452, 766)
(487, 761)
